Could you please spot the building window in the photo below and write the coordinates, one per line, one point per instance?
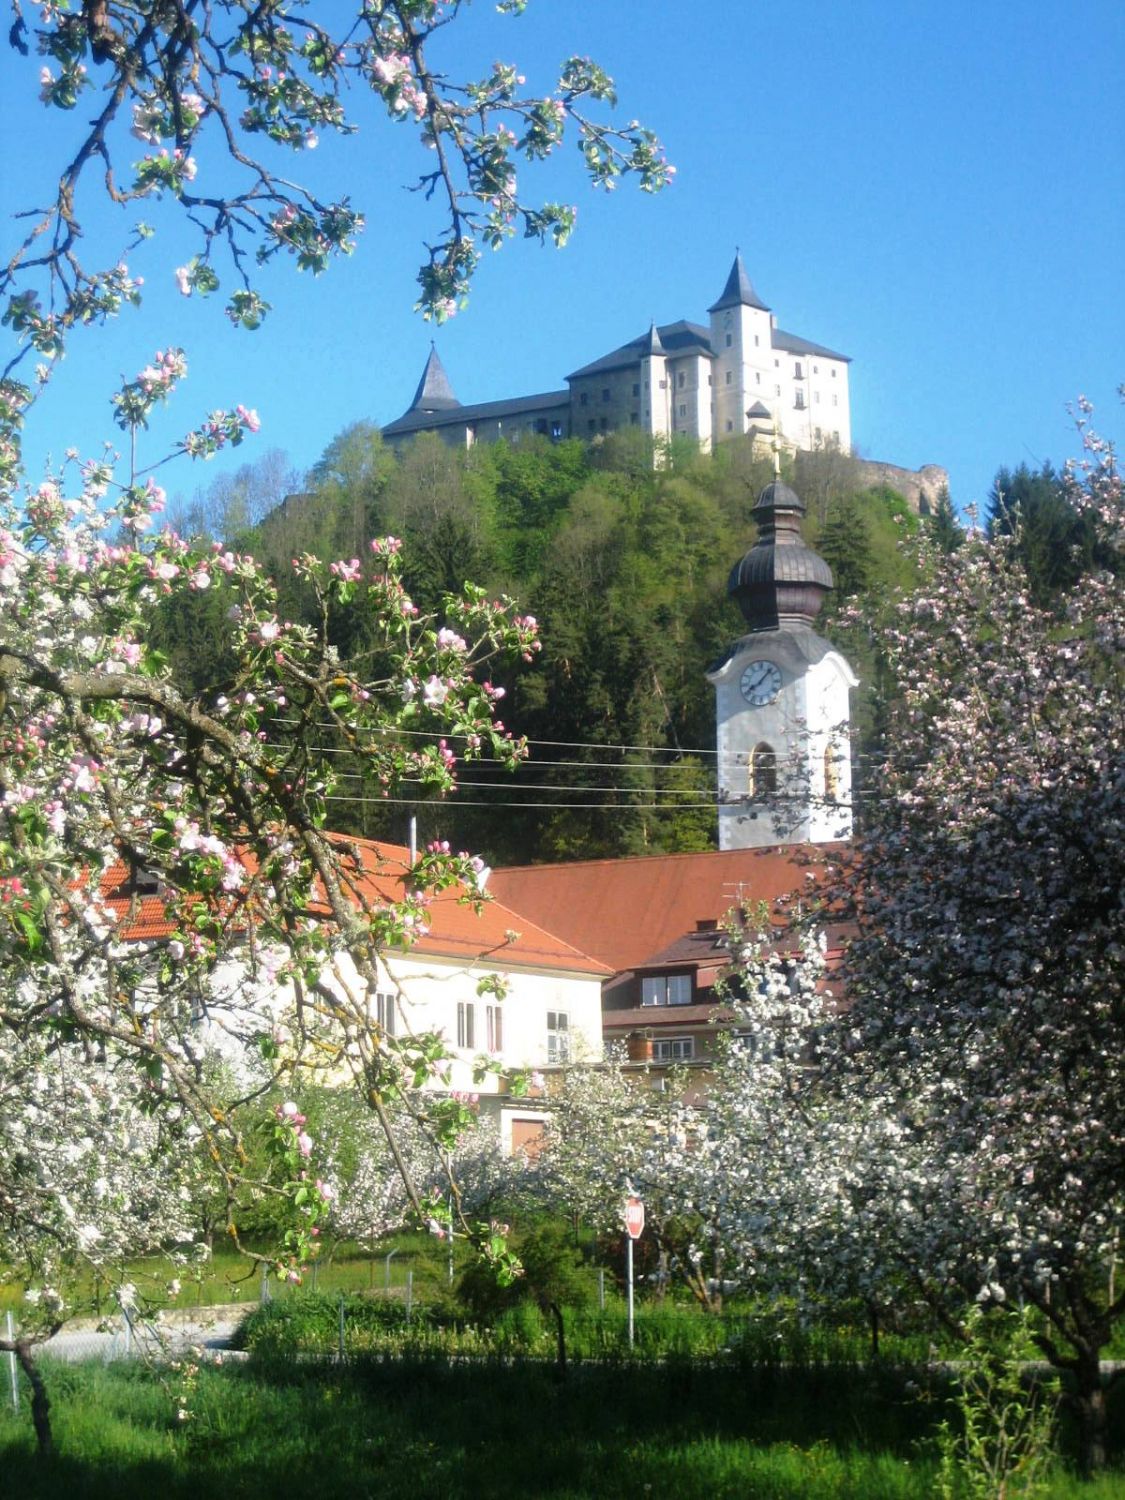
(758, 378)
(757, 341)
(833, 374)
(605, 393)
(710, 380)
(730, 426)
(636, 389)
(763, 771)
(541, 425)
(777, 390)
(582, 398)
(494, 1018)
(730, 340)
(466, 1023)
(634, 420)
(777, 364)
(683, 410)
(799, 400)
(666, 989)
(835, 400)
(816, 369)
(558, 1036)
(663, 385)
(817, 435)
(603, 423)
(680, 379)
(730, 376)
(673, 1049)
(798, 373)
(385, 1012)
(556, 431)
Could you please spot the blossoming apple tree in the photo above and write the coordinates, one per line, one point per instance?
(215, 94)
(163, 858)
(964, 1125)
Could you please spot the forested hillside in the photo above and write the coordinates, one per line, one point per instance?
(624, 564)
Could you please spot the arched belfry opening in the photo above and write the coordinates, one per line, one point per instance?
(763, 771)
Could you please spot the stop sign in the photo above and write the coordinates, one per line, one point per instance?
(634, 1217)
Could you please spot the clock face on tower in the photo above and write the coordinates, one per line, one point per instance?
(760, 683)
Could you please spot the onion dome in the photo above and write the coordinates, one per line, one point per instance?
(780, 580)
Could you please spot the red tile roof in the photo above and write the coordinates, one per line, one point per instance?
(623, 911)
(493, 934)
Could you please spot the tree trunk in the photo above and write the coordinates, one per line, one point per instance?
(40, 1402)
(560, 1338)
(1089, 1398)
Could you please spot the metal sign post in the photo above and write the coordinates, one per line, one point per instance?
(634, 1228)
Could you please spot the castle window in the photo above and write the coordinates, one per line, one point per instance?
(683, 410)
(757, 341)
(591, 425)
(816, 369)
(634, 419)
(777, 364)
(758, 378)
(763, 771)
(556, 431)
(798, 374)
(730, 426)
(680, 378)
(636, 389)
(582, 398)
(605, 393)
(833, 374)
(730, 376)
(541, 425)
(603, 423)
(729, 341)
(799, 400)
(831, 773)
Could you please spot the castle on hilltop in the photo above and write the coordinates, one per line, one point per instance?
(740, 374)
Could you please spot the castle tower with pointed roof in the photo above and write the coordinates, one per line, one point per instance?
(741, 374)
(781, 695)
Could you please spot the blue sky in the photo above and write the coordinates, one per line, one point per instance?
(934, 189)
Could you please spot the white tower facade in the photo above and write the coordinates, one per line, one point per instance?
(781, 696)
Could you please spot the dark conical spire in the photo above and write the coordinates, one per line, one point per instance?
(434, 391)
(651, 344)
(780, 580)
(739, 291)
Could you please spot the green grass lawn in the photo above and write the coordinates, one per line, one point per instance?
(445, 1430)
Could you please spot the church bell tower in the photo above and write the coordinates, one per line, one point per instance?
(781, 695)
